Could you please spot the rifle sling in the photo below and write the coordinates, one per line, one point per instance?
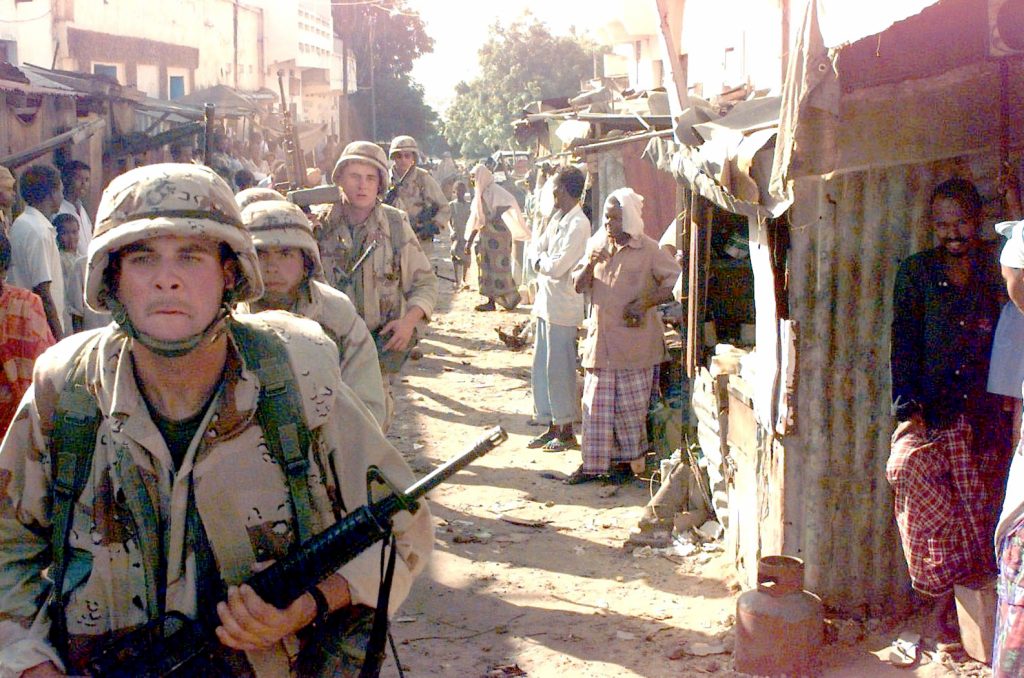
(375, 648)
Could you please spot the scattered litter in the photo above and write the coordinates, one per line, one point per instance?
(683, 548)
(711, 530)
(620, 579)
(502, 506)
(549, 503)
(404, 620)
(625, 635)
(505, 671)
(602, 605)
(462, 538)
(417, 446)
(524, 522)
(698, 649)
(712, 547)
(511, 538)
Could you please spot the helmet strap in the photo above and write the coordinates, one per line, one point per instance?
(164, 348)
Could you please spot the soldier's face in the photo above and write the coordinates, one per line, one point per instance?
(172, 286)
(283, 270)
(360, 183)
(403, 161)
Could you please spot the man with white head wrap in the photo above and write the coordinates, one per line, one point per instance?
(627, 276)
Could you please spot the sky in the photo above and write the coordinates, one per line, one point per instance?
(459, 29)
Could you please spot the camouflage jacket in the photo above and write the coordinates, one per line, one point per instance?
(129, 525)
(337, 315)
(396, 276)
(418, 191)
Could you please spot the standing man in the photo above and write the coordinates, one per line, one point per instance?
(290, 265)
(370, 253)
(35, 259)
(627, 276)
(559, 311)
(950, 449)
(414, 191)
(7, 198)
(191, 472)
(75, 175)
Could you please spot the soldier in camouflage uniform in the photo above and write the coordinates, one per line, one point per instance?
(417, 193)
(289, 262)
(395, 288)
(181, 498)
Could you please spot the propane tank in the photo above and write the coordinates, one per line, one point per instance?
(779, 626)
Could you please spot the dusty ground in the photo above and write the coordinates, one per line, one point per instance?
(530, 575)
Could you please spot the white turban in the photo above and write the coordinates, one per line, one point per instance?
(632, 204)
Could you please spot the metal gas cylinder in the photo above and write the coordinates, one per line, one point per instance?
(779, 626)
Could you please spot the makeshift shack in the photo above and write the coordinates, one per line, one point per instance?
(878, 108)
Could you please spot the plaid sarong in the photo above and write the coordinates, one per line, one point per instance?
(614, 417)
(940, 505)
(1008, 648)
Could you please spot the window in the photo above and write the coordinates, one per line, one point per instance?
(176, 86)
(9, 51)
(105, 69)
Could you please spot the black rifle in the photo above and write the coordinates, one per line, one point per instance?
(176, 646)
(391, 197)
(424, 226)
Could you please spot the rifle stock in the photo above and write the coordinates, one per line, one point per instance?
(157, 650)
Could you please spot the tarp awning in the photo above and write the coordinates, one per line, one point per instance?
(843, 22)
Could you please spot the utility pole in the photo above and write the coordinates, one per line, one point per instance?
(373, 81)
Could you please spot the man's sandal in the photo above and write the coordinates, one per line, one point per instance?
(578, 477)
(543, 440)
(905, 651)
(561, 445)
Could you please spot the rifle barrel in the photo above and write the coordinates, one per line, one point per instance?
(491, 439)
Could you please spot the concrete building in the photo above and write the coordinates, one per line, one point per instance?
(168, 50)
(723, 44)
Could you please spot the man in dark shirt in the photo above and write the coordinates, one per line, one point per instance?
(949, 453)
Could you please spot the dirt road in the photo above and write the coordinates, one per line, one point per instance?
(531, 575)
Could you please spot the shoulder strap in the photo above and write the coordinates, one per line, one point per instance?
(280, 416)
(72, 443)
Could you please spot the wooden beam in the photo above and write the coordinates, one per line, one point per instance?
(678, 98)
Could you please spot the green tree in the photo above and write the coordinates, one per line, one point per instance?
(518, 65)
(386, 38)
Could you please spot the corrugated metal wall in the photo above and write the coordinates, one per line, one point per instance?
(849, 235)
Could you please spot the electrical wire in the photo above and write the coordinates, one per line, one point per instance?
(25, 21)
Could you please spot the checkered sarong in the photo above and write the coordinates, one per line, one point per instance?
(940, 505)
(614, 417)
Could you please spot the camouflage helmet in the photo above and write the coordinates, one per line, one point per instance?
(256, 194)
(168, 199)
(279, 223)
(368, 152)
(404, 142)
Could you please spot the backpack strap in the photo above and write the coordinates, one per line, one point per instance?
(72, 443)
(280, 415)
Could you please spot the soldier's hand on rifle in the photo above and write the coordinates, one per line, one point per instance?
(250, 623)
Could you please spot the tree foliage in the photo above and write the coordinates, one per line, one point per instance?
(393, 37)
(518, 65)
